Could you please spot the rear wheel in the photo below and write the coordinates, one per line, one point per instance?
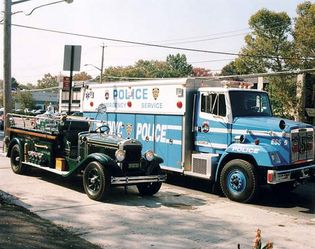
(238, 181)
(150, 188)
(96, 181)
(16, 160)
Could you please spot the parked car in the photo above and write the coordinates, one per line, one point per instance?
(1, 118)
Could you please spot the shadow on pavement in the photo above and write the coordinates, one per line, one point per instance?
(19, 228)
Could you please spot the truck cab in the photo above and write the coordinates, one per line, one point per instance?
(251, 147)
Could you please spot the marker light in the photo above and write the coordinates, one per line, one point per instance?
(129, 104)
(270, 175)
(120, 155)
(149, 155)
(179, 104)
(91, 104)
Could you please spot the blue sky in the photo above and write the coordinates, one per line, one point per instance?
(220, 24)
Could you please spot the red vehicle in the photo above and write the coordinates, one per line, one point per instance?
(1, 118)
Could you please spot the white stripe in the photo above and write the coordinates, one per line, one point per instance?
(177, 142)
(174, 127)
(211, 145)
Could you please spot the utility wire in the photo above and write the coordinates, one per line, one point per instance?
(154, 45)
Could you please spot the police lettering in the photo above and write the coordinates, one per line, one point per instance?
(149, 131)
(138, 93)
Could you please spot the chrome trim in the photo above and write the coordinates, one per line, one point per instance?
(297, 169)
(285, 175)
(137, 179)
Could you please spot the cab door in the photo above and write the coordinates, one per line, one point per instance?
(211, 123)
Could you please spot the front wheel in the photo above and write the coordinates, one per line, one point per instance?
(16, 160)
(238, 181)
(96, 181)
(151, 188)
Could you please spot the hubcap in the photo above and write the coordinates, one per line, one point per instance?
(94, 180)
(236, 181)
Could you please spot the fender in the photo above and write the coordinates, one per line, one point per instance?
(99, 157)
(157, 159)
(261, 154)
(13, 142)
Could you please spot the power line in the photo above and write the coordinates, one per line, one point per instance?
(153, 45)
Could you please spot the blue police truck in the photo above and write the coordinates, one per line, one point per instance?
(217, 130)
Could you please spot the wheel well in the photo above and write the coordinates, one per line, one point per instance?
(232, 156)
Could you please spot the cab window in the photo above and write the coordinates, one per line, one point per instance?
(213, 103)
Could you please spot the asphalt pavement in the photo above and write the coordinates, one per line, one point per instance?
(175, 217)
(56, 212)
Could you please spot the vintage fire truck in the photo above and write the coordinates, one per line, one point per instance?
(68, 146)
(211, 129)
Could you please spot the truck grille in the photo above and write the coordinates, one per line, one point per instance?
(133, 153)
(302, 145)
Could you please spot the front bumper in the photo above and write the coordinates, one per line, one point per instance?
(129, 180)
(297, 174)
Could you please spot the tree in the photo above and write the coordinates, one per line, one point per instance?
(25, 99)
(201, 72)
(82, 76)
(179, 66)
(174, 66)
(230, 69)
(14, 83)
(304, 34)
(269, 47)
(47, 81)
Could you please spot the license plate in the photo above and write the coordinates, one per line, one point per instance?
(133, 165)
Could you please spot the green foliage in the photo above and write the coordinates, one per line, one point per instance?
(25, 99)
(304, 34)
(174, 66)
(273, 46)
(178, 66)
(282, 91)
(47, 81)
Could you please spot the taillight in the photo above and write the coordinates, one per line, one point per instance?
(309, 146)
(295, 148)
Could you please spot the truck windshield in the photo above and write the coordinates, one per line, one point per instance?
(247, 103)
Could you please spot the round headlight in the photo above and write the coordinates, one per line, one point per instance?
(120, 155)
(149, 155)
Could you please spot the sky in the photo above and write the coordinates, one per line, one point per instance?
(216, 25)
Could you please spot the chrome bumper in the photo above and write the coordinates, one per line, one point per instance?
(129, 180)
(280, 176)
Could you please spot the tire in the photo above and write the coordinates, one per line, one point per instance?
(151, 188)
(16, 160)
(238, 181)
(96, 181)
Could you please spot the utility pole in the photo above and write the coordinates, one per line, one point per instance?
(7, 97)
(102, 63)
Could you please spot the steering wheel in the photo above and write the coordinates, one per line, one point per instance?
(103, 129)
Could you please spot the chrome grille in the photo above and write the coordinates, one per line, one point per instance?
(302, 145)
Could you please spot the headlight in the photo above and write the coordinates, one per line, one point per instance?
(275, 157)
(149, 155)
(120, 155)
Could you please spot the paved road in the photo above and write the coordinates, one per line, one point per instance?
(175, 218)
